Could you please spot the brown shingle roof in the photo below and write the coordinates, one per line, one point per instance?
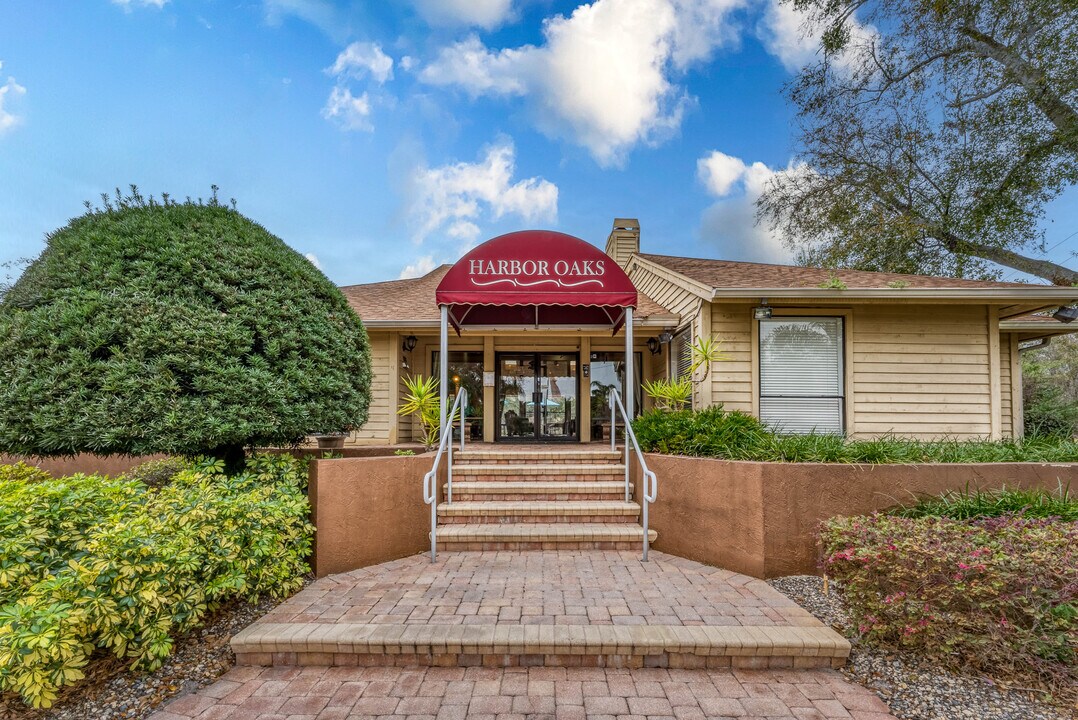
(731, 274)
(413, 300)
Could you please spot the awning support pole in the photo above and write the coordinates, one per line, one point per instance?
(630, 377)
(443, 367)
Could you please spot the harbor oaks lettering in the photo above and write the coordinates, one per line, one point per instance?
(538, 268)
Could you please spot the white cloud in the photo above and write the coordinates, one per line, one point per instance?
(348, 111)
(128, 4)
(486, 14)
(719, 171)
(730, 223)
(361, 58)
(604, 76)
(313, 260)
(419, 268)
(320, 13)
(786, 35)
(8, 91)
(454, 198)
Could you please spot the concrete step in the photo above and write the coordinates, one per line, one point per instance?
(477, 490)
(543, 536)
(512, 645)
(557, 456)
(538, 511)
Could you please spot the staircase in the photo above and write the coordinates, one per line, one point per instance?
(547, 498)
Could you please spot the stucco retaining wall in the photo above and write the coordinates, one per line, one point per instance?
(87, 463)
(760, 518)
(367, 511)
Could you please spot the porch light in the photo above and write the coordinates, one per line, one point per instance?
(1066, 314)
(761, 313)
(654, 345)
(409, 343)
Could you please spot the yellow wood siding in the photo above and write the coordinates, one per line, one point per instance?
(731, 380)
(666, 292)
(921, 371)
(1005, 385)
(380, 417)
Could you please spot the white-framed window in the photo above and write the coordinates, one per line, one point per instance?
(801, 374)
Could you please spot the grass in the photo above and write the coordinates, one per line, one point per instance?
(714, 432)
(970, 504)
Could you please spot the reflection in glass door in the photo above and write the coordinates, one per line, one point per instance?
(537, 396)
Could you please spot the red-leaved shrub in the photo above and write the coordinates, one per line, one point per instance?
(999, 595)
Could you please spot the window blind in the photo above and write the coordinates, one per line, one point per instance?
(801, 374)
(682, 354)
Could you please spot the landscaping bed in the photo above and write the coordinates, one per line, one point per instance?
(916, 688)
(734, 435)
(960, 605)
(112, 691)
(92, 567)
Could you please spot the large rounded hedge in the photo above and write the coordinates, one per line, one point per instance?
(181, 328)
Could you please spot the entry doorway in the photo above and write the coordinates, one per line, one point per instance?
(537, 397)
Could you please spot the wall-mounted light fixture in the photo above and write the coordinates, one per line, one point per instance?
(1066, 314)
(654, 346)
(761, 313)
(408, 343)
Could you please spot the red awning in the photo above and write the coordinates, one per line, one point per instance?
(536, 277)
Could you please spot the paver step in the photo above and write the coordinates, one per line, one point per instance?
(538, 511)
(476, 490)
(554, 471)
(517, 457)
(542, 536)
(678, 646)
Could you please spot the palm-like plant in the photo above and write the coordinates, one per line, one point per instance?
(424, 400)
(676, 394)
(669, 394)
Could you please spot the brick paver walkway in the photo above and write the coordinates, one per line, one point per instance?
(542, 588)
(314, 693)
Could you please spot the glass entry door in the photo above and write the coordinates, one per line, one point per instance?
(537, 396)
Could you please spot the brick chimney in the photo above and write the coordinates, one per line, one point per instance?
(624, 240)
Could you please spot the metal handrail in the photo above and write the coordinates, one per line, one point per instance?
(430, 488)
(651, 482)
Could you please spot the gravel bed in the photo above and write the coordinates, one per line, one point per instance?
(914, 688)
(111, 691)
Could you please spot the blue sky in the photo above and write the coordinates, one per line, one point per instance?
(386, 137)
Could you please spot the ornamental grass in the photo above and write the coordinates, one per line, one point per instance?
(91, 564)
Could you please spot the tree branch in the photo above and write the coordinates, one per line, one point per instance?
(1033, 80)
(1056, 274)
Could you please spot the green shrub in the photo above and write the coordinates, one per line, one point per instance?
(156, 473)
(714, 432)
(968, 504)
(1049, 412)
(120, 567)
(44, 523)
(999, 595)
(179, 328)
(21, 472)
(711, 432)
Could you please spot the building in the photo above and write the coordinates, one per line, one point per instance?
(539, 323)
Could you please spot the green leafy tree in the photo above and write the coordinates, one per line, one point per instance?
(933, 134)
(178, 327)
(1050, 388)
